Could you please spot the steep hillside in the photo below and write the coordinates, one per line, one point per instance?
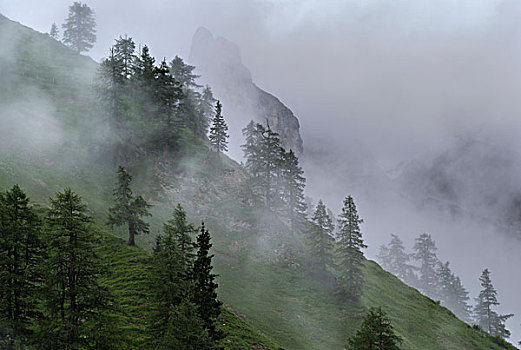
(266, 274)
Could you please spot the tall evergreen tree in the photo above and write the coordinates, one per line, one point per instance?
(350, 245)
(74, 302)
(128, 210)
(425, 254)
(218, 132)
(54, 33)
(398, 261)
(252, 151)
(125, 53)
(488, 319)
(452, 293)
(79, 31)
(20, 256)
(205, 287)
(376, 333)
(206, 103)
(293, 182)
(181, 231)
(168, 94)
(322, 240)
(183, 73)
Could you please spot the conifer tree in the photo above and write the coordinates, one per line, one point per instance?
(125, 53)
(181, 231)
(74, 302)
(321, 234)
(168, 94)
(53, 33)
(128, 210)
(183, 73)
(252, 151)
(293, 183)
(218, 132)
(79, 28)
(488, 319)
(425, 249)
(206, 103)
(397, 260)
(205, 287)
(376, 333)
(453, 294)
(20, 256)
(349, 248)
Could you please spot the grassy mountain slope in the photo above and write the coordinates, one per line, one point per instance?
(266, 274)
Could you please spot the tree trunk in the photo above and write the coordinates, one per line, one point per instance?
(131, 234)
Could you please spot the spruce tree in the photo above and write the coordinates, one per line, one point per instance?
(376, 333)
(206, 103)
(79, 28)
(425, 249)
(252, 148)
(349, 248)
(321, 233)
(205, 287)
(53, 33)
(293, 183)
(488, 319)
(74, 302)
(125, 53)
(218, 132)
(20, 256)
(128, 210)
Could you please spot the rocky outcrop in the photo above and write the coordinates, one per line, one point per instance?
(218, 61)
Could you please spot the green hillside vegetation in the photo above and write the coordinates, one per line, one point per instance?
(267, 274)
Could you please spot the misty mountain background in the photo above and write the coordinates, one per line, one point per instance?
(412, 107)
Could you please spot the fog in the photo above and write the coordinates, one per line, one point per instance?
(386, 92)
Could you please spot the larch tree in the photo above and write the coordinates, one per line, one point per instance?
(79, 31)
(322, 241)
(349, 249)
(376, 333)
(74, 301)
(20, 256)
(128, 210)
(218, 132)
(486, 317)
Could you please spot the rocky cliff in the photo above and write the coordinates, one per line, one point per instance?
(218, 61)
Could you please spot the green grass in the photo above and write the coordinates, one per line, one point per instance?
(265, 272)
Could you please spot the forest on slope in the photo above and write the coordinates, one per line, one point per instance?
(266, 271)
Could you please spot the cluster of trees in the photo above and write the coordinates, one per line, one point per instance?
(423, 270)
(342, 249)
(79, 29)
(51, 295)
(154, 108)
(277, 177)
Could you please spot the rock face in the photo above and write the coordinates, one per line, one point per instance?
(218, 61)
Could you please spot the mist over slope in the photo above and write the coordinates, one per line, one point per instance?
(258, 261)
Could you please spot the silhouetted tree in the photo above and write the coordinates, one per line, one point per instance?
(376, 333)
(183, 73)
(349, 248)
(488, 319)
(322, 240)
(293, 183)
(53, 33)
(218, 132)
(395, 259)
(452, 293)
(425, 249)
(79, 28)
(128, 210)
(205, 287)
